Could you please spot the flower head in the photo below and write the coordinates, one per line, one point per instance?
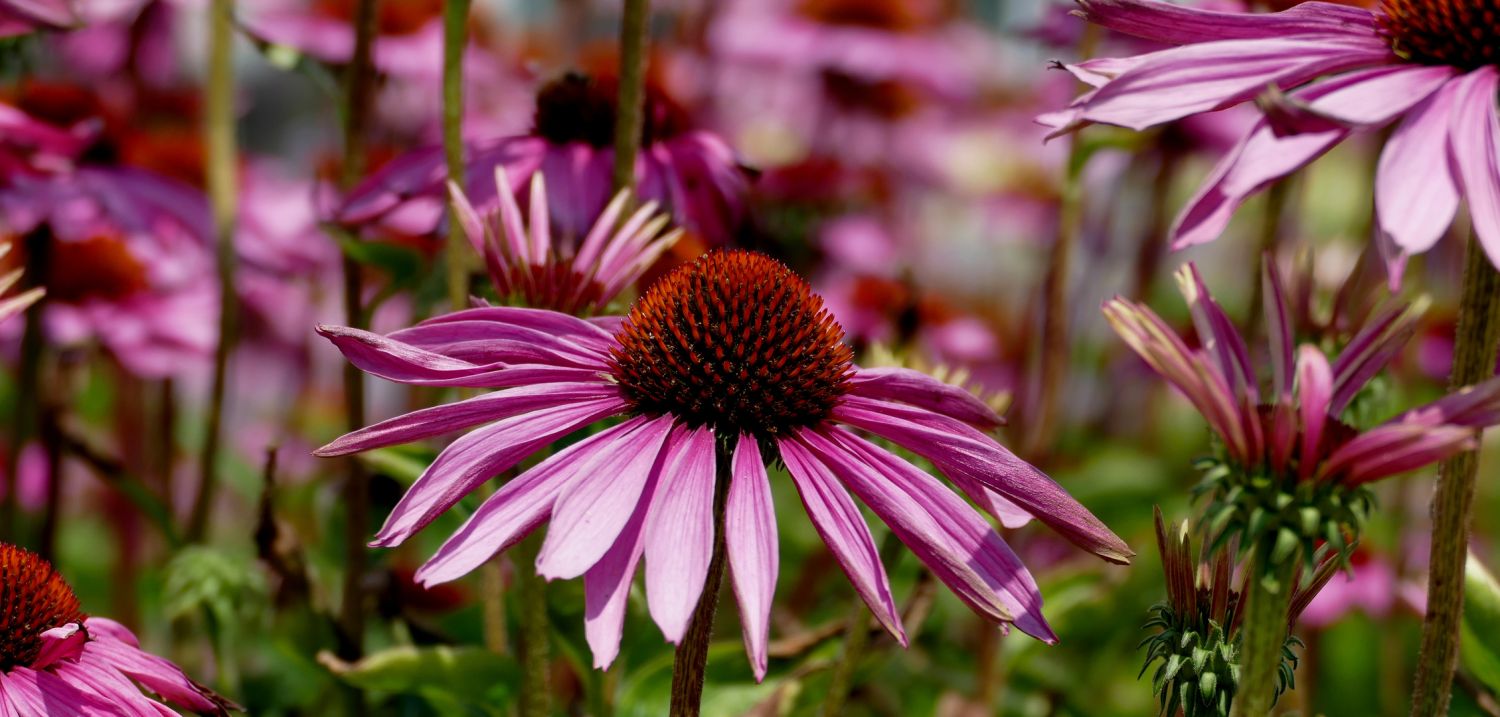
(52, 654)
(693, 174)
(1429, 66)
(724, 365)
(1291, 473)
(526, 261)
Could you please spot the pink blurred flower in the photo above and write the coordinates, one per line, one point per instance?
(692, 173)
(19, 17)
(732, 356)
(56, 660)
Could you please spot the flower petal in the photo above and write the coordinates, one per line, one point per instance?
(844, 531)
(680, 530)
(1474, 149)
(1175, 24)
(1416, 194)
(593, 509)
(947, 535)
(479, 456)
(1314, 389)
(751, 547)
(449, 417)
(958, 449)
(606, 586)
(919, 389)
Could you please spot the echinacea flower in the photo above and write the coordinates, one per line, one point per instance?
(1433, 65)
(1198, 626)
(55, 660)
(1290, 472)
(527, 262)
(727, 361)
(692, 173)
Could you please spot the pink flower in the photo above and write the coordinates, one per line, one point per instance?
(55, 660)
(692, 173)
(1432, 66)
(728, 361)
(20, 17)
(526, 261)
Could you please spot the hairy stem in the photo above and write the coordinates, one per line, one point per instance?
(1264, 632)
(359, 93)
(222, 166)
(455, 40)
(690, 662)
(536, 634)
(1473, 360)
(630, 113)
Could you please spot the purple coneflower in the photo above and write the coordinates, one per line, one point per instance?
(729, 361)
(1431, 64)
(1292, 442)
(525, 261)
(55, 660)
(692, 173)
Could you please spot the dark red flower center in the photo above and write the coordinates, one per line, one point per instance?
(1462, 33)
(100, 267)
(581, 108)
(34, 598)
(736, 341)
(889, 99)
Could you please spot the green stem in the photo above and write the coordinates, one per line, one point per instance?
(1473, 360)
(856, 638)
(360, 92)
(222, 167)
(690, 662)
(1264, 635)
(630, 114)
(455, 40)
(536, 634)
(1054, 339)
(24, 415)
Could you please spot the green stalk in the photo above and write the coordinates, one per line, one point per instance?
(690, 661)
(1264, 635)
(455, 39)
(24, 414)
(360, 93)
(222, 168)
(536, 634)
(1473, 360)
(630, 113)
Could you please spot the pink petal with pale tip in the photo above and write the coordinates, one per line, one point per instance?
(606, 586)
(1474, 149)
(680, 530)
(1314, 389)
(1416, 193)
(751, 546)
(844, 531)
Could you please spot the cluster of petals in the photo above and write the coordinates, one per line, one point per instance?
(644, 487)
(1296, 430)
(526, 259)
(1331, 71)
(92, 670)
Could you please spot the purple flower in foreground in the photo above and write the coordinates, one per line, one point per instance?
(1291, 444)
(1432, 65)
(55, 660)
(526, 261)
(692, 173)
(730, 360)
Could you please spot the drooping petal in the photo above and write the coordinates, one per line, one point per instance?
(958, 546)
(112, 648)
(1375, 96)
(1474, 148)
(1416, 193)
(403, 363)
(606, 585)
(1175, 24)
(449, 417)
(844, 531)
(1476, 406)
(751, 547)
(481, 455)
(919, 389)
(494, 342)
(680, 530)
(1394, 448)
(35, 692)
(586, 334)
(517, 508)
(958, 449)
(593, 509)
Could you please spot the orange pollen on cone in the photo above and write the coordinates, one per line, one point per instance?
(736, 341)
(1461, 33)
(34, 598)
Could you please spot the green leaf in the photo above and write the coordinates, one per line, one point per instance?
(1481, 624)
(443, 674)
